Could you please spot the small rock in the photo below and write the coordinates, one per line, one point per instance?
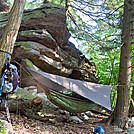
(89, 113)
(86, 117)
(117, 129)
(52, 120)
(42, 96)
(130, 130)
(83, 116)
(59, 119)
(26, 126)
(63, 112)
(75, 119)
(31, 88)
(132, 122)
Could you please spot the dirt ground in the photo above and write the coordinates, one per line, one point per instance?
(57, 123)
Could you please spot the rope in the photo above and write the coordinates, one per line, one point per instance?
(18, 100)
(5, 52)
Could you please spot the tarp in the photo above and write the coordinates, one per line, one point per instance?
(100, 94)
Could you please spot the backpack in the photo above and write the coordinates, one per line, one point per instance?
(9, 80)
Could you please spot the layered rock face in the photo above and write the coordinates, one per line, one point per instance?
(44, 40)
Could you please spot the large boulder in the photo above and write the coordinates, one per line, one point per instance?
(44, 40)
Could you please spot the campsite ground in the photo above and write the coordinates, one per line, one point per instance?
(58, 123)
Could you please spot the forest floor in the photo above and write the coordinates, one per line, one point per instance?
(58, 123)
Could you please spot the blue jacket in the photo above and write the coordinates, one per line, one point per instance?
(99, 130)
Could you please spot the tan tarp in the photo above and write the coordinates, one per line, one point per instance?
(100, 94)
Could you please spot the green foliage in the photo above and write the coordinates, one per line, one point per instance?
(98, 34)
(10, 2)
(31, 4)
(3, 130)
(105, 65)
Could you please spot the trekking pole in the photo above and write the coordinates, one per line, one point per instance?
(7, 111)
(2, 83)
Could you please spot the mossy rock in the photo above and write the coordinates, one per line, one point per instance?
(34, 33)
(22, 94)
(25, 45)
(48, 8)
(54, 8)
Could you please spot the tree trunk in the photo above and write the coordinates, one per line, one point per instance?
(121, 110)
(11, 30)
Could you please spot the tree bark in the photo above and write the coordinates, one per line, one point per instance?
(11, 30)
(121, 110)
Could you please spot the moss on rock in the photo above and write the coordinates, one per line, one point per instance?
(35, 32)
(53, 8)
(25, 45)
(22, 94)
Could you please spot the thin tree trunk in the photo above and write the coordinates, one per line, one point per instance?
(121, 110)
(11, 30)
